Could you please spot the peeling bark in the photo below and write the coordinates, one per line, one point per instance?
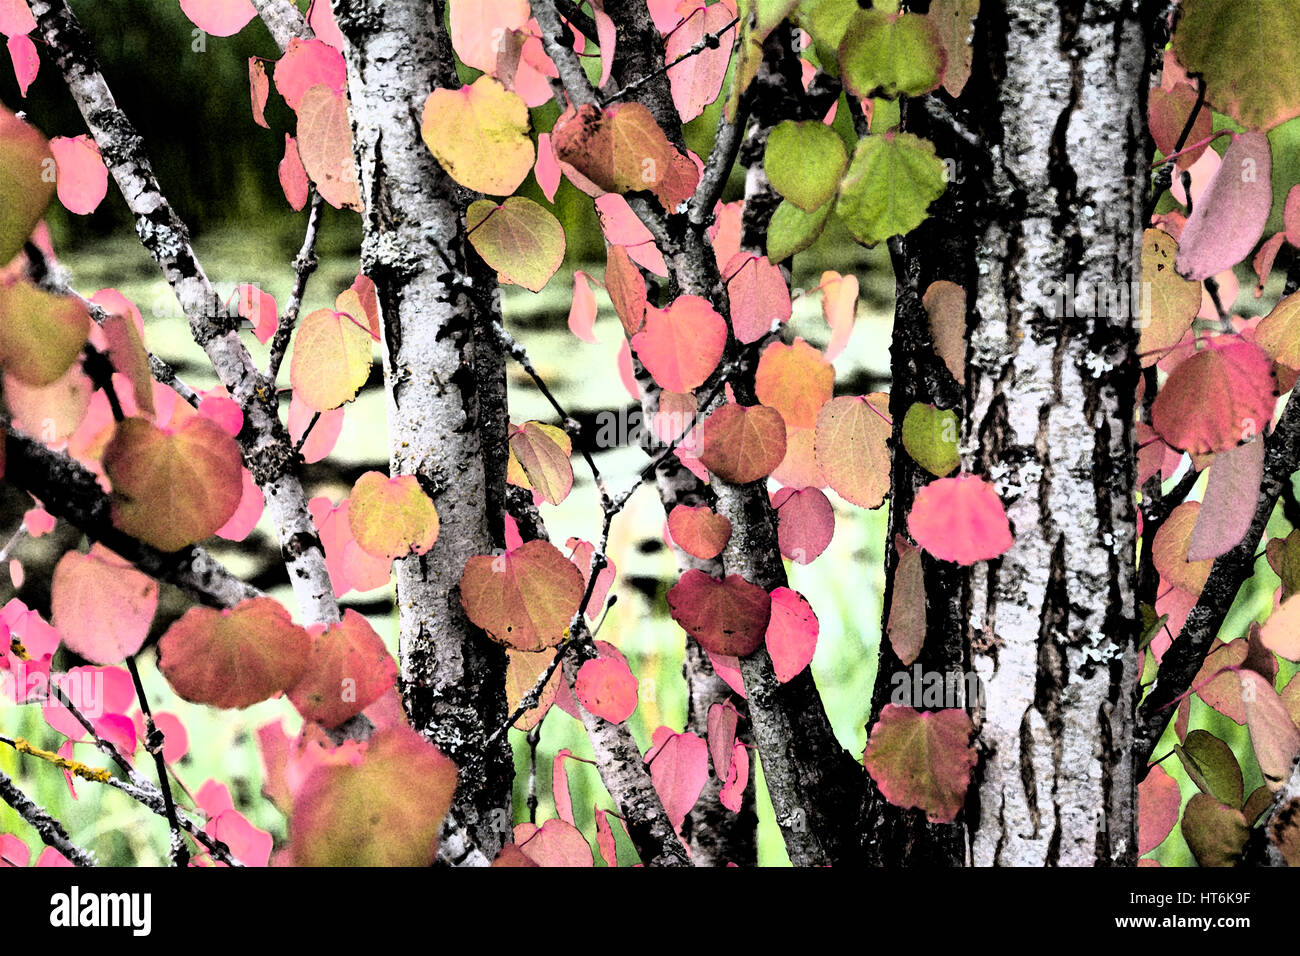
(444, 386)
(1052, 623)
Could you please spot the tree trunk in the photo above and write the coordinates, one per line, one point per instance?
(1052, 624)
(443, 383)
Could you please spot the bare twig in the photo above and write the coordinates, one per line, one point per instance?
(303, 266)
(710, 41)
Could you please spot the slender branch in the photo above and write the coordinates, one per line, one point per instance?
(47, 827)
(1185, 656)
(153, 744)
(572, 75)
(71, 492)
(584, 24)
(710, 41)
(265, 443)
(141, 792)
(283, 20)
(303, 266)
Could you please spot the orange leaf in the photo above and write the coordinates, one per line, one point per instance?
(525, 598)
(742, 444)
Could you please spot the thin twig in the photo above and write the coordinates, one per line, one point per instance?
(303, 266)
(153, 744)
(710, 41)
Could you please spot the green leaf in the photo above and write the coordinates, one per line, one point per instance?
(826, 21)
(792, 230)
(930, 437)
(1215, 834)
(518, 238)
(24, 189)
(889, 187)
(1212, 766)
(885, 115)
(804, 162)
(1249, 55)
(891, 54)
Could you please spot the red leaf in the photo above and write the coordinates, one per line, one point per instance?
(349, 669)
(605, 838)
(305, 64)
(699, 531)
(732, 794)
(26, 61)
(173, 490)
(960, 519)
(907, 624)
(743, 443)
(259, 85)
(82, 176)
(722, 721)
(580, 553)
(839, 308)
(1229, 217)
(101, 605)
(560, 786)
(805, 523)
(681, 345)
(757, 294)
(1231, 496)
(349, 566)
(234, 658)
(622, 149)
(696, 80)
(16, 18)
(791, 634)
(1217, 398)
(1272, 733)
(525, 598)
(922, 759)
(606, 687)
(385, 810)
(726, 617)
(259, 309)
(679, 769)
(1158, 803)
(1167, 113)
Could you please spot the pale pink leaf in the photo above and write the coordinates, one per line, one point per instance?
(791, 634)
(82, 175)
(960, 519)
(1231, 496)
(1229, 217)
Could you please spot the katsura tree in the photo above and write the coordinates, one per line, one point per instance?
(1068, 192)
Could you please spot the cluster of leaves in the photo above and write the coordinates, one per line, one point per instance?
(176, 475)
(1219, 374)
